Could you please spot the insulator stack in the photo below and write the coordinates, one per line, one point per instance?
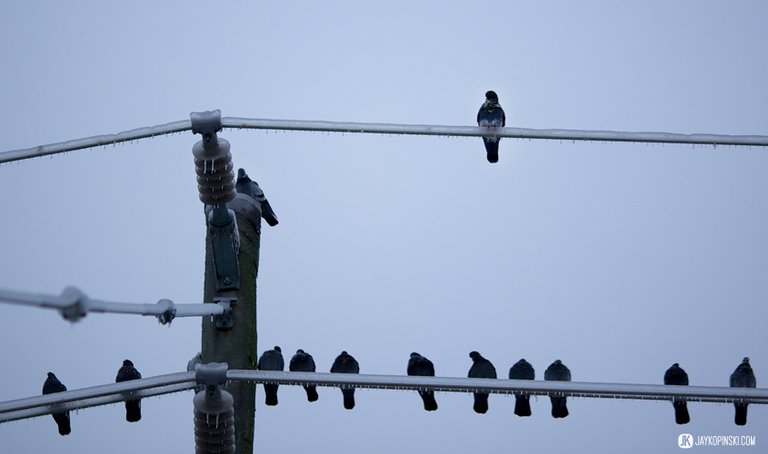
(214, 421)
(215, 174)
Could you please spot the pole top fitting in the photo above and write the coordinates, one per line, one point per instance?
(211, 374)
(206, 123)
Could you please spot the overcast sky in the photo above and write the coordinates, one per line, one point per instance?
(619, 259)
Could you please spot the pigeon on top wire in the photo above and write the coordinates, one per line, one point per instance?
(675, 375)
(491, 115)
(742, 377)
(522, 370)
(420, 365)
(271, 360)
(481, 368)
(558, 371)
(53, 385)
(132, 407)
(303, 362)
(346, 364)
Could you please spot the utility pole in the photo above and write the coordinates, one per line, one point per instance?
(233, 220)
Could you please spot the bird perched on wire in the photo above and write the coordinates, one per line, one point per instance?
(132, 407)
(481, 368)
(271, 360)
(675, 375)
(491, 116)
(522, 370)
(420, 365)
(558, 371)
(346, 364)
(303, 362)
(53, 385)
(742, 377)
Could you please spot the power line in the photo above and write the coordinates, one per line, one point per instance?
(170, 383)
(389, 128)
(74, 305)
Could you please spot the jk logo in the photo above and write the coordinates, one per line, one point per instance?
(685, 441)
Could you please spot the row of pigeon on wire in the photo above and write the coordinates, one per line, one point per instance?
(132, 407)
(742, 377)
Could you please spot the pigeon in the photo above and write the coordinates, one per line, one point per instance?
(271, 360)
(132, 407)
(53, 385)
(303, 362)
(244, 185)
(522, 370)
(742, 377)
(491, 115)
(558, 371)
(481, 368)
(675, 375)
(346, 364)
(420, 365)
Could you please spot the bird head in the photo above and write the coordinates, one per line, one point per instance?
(127, 363)
(414, 355)
(491, 96)
(51, 375)
(277, 349)
(299, 352)
(474, 355)
(676, 365)
(745, 360)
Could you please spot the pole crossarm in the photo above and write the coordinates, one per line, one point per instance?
(504, 386)
(74, 304)
(95, 396)
(388, 128)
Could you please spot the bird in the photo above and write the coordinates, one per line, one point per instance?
(558, 371)
(346, 364)
(522, 370)
(271, 360)
(132, 407)
(420, 365)
(53, 385)
(244, 185)
(675, 375)
(481, 368)
(742, 377)
(491, 115)
(303, 362)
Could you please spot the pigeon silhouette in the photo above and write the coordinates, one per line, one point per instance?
(742, 377)
(132, 407)
(675, 375)
(522, 370)
(481, 368)
(53, 385)
(558, 371)
(244, 185)
(420, 365)
(346, 364)
(271, 360)
(303, 362)
(491, 116)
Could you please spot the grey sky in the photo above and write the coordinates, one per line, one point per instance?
(619, 259)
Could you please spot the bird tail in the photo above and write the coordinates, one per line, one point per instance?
(741, 414)
(270, 392)
(559, 406)
(430, 404)
(62, 420)
(522, 405)
(492, 149)
(681, 412)
(349, 398)
(481, 403)
(311, 393)
(133, 410)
